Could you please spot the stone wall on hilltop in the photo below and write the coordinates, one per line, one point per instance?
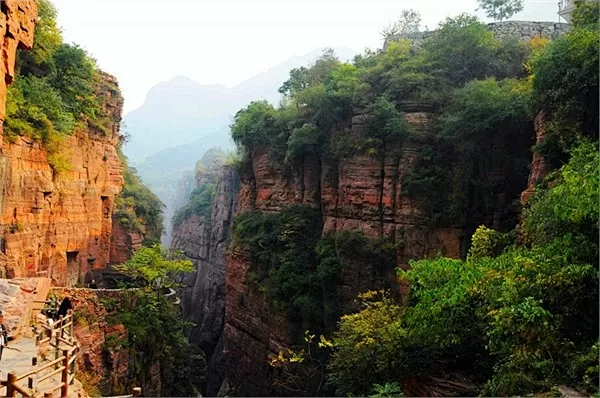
(520, 30)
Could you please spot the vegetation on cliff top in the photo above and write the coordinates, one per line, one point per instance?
(56, 91)
(475, 85)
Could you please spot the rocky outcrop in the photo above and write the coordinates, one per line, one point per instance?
(358, 193)
(99, 362)
(60, 225)
(17, 28)
(520, 30)
(123, 243)
(205, 241)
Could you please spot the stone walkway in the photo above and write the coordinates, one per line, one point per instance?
(18, 359)
(21, 300)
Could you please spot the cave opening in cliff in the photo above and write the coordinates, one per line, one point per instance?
(72, 264)
(105, 206)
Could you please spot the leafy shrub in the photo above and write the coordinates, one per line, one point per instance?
(462, 49)
(570, 207)
(487, 243)
(366, 346)
(565, 80)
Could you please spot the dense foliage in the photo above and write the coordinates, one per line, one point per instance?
(296, 267)
(153, 267)
(139, 209)
(285, 262)
(56, 90)
(518, 321)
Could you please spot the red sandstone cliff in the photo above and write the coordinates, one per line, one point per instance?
(59, 225)
(55, 225)
(360, 193)
(539, 168)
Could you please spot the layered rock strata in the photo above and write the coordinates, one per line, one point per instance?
(359, 193)
(60, 225)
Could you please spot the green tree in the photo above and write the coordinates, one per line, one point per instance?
(156, 339)
(255, 125)
(154, 267)
(367, 346)
(586, 14)
(462, 49)
(500, 10)
(36, 109)
(74, 79)
(46, 41)
(570, 207)
(565, 84)
(409, 22)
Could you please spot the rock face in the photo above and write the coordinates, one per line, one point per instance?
(123, 243)
(360, 193)
(53, 225)
(17, 28)
(521, 30)
(59, 225)
(539, 168)
(98, 360)
(205, 241)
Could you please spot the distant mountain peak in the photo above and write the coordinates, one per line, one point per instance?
(181, 111)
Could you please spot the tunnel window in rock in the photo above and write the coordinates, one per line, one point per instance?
(72, 264)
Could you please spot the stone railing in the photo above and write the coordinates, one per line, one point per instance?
(520, 30)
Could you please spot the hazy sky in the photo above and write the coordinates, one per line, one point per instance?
(144, 42)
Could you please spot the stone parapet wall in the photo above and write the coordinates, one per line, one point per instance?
(521, 30)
